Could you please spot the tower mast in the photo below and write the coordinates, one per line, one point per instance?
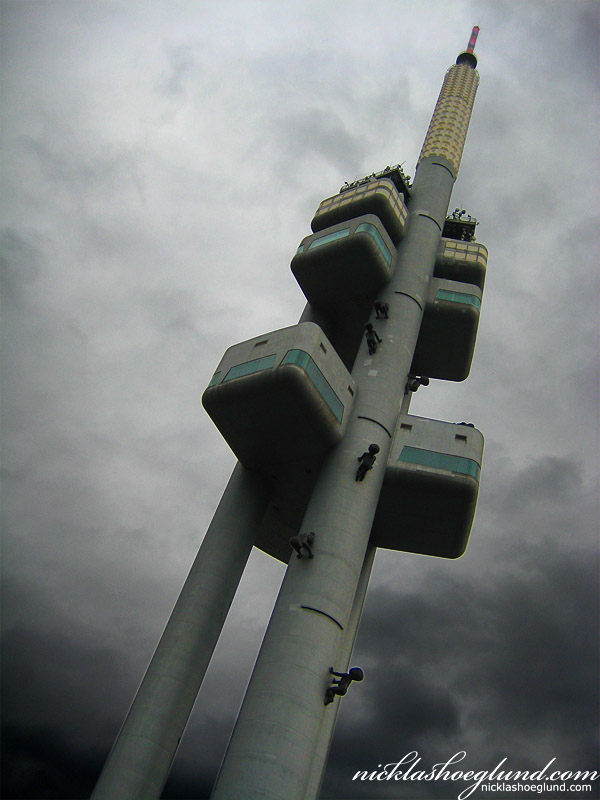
(331, 466)
(274, 748)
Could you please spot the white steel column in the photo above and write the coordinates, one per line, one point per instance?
(342, 663)
(139, 762)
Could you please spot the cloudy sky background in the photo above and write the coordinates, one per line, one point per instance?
(160, 164)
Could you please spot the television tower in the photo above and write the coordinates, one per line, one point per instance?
(331, 466)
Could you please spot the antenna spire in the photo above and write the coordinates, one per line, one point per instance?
(473, 39)
(468, 57)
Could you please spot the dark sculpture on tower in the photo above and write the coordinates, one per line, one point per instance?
(331, 467)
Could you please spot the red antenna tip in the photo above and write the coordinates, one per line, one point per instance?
(473, 39)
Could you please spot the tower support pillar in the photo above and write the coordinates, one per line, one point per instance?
(139, 762)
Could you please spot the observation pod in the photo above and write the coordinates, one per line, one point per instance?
(281, 397)
(344, 263)
(448, 332)
(379, 197)
(465, 262)
(429, 493)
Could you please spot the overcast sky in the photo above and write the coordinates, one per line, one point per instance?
(161, 161)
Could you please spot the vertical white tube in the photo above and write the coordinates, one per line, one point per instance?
(139, 762)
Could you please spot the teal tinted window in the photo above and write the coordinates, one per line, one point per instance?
(302, 359)
(214, 379)
(367, 227)
(430, 458)
(458, 297)
(249, 367)
(329, 237)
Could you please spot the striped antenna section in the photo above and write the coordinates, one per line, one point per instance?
(473, 39)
